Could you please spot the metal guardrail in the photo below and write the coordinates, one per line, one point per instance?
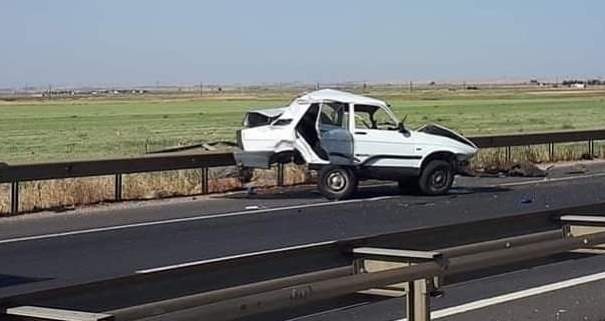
(491, 141)
(14, 174)
(549, 138)
(421, 272)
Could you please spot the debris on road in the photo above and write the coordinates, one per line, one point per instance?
(527, 199)
(526, 170)
(520, 169)
(577, 169)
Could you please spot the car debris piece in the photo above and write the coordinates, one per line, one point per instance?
(348, 138)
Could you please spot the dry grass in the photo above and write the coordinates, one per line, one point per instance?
(4, 198)
(293, 175)
(497, 158)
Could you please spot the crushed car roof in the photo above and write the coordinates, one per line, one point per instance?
(272, 112)
(340, 96)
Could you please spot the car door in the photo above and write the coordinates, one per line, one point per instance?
(378, 140)
(336, 141)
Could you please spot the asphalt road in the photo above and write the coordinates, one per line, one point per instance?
(39, 250)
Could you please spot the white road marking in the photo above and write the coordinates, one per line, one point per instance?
(187, 219)
(225, 258)
(550, 180)
(484, 303)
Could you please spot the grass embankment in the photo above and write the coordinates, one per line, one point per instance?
(93, 128)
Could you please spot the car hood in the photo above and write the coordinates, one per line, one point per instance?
(438, 130)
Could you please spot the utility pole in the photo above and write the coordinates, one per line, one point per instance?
(50, 91)
(411, 86)
(201, 88)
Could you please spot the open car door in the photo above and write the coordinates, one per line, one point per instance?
(336, 141)
(322, 134)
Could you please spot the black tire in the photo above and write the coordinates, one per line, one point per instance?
(436, 178)
(408, 185)
(337, 183)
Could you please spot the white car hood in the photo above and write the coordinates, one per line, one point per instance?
(438, 130)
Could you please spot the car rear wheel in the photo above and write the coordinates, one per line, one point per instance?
(337, 182)
(436, 178)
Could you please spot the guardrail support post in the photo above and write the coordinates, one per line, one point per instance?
(204, 180)
(280, 174)
(508, 153)
(591, 148)
(418, 301)
(551, 151)
(118, 187)
(15, 197)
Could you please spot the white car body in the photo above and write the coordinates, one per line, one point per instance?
(331, 127)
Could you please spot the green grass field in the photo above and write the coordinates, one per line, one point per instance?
(97, 128)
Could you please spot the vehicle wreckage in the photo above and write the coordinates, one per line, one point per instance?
(348, 138)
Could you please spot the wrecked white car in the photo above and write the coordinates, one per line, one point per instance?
(347, 138)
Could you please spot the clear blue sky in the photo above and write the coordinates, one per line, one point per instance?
(225, 41)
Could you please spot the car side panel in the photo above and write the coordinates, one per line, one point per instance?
(384, 148)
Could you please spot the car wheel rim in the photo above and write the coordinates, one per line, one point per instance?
(439, 179)
(336, 181)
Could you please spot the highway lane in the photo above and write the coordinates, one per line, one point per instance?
(152, 246)
(116, 252)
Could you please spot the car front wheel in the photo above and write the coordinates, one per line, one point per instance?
(436, 178)
(337, 182)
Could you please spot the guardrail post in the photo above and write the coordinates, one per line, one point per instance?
(551, 151)
(418, 301)
(118, 187)
(280, 174)
(15, 197)
(508, 153)
(591, 148)
(204, 180)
